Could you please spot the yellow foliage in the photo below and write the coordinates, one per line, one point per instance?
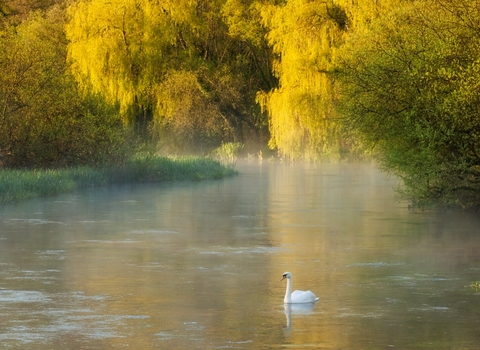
(362, 12)
(243, 20)
(116, 47)
(131, 50)
(304, 36)
(186, 107)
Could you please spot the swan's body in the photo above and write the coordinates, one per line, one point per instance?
(298, 296)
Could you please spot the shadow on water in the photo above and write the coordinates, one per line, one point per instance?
(197, 265)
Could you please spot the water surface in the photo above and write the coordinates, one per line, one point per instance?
(198, 265)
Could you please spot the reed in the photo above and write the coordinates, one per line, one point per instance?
(16, 185)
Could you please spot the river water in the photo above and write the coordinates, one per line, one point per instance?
(198, 265)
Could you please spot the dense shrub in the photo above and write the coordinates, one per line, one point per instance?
(44, 120)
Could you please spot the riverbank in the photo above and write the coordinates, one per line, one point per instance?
(17, 185)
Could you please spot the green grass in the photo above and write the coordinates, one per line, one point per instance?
(17, 185)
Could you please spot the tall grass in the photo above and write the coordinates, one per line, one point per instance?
(16, 185)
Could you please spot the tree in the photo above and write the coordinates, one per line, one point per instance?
(13, 12)
(138, 48)
(304, 35)
(410, 90)
(43, 119)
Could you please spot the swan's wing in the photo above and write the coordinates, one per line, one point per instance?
(301, 296)
(297, 293)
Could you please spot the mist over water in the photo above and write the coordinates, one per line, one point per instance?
(198, 265)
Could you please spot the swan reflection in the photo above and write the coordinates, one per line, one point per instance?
(296, 310)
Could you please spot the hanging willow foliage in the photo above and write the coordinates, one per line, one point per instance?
(303, 34)
(130, 50)
(306, 37)
(116, 47)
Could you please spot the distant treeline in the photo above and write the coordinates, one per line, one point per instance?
(88, 81)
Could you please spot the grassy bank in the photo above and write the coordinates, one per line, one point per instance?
(16, 185)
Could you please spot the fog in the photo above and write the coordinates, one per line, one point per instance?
(198, 265)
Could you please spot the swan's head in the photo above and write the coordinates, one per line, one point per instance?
(286, 275)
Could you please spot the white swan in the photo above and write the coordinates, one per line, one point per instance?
(298, 296)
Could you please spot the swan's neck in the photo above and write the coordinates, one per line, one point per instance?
(288, 292)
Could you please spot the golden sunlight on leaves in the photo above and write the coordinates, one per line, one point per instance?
(304, 36)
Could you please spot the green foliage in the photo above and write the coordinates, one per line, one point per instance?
(16, 185)
(228, 152)
(410, 91)
(43, 119)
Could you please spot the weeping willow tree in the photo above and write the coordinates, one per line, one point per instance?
(173, 62)
(303, 35)
(116, 49)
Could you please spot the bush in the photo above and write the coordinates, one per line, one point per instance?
(45, 122)
(410, 91)
(228, 152)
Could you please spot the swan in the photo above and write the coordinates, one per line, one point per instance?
(298, 296)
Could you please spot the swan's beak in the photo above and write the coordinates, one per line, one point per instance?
(283, 278)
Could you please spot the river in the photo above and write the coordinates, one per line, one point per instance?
(198, 265)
